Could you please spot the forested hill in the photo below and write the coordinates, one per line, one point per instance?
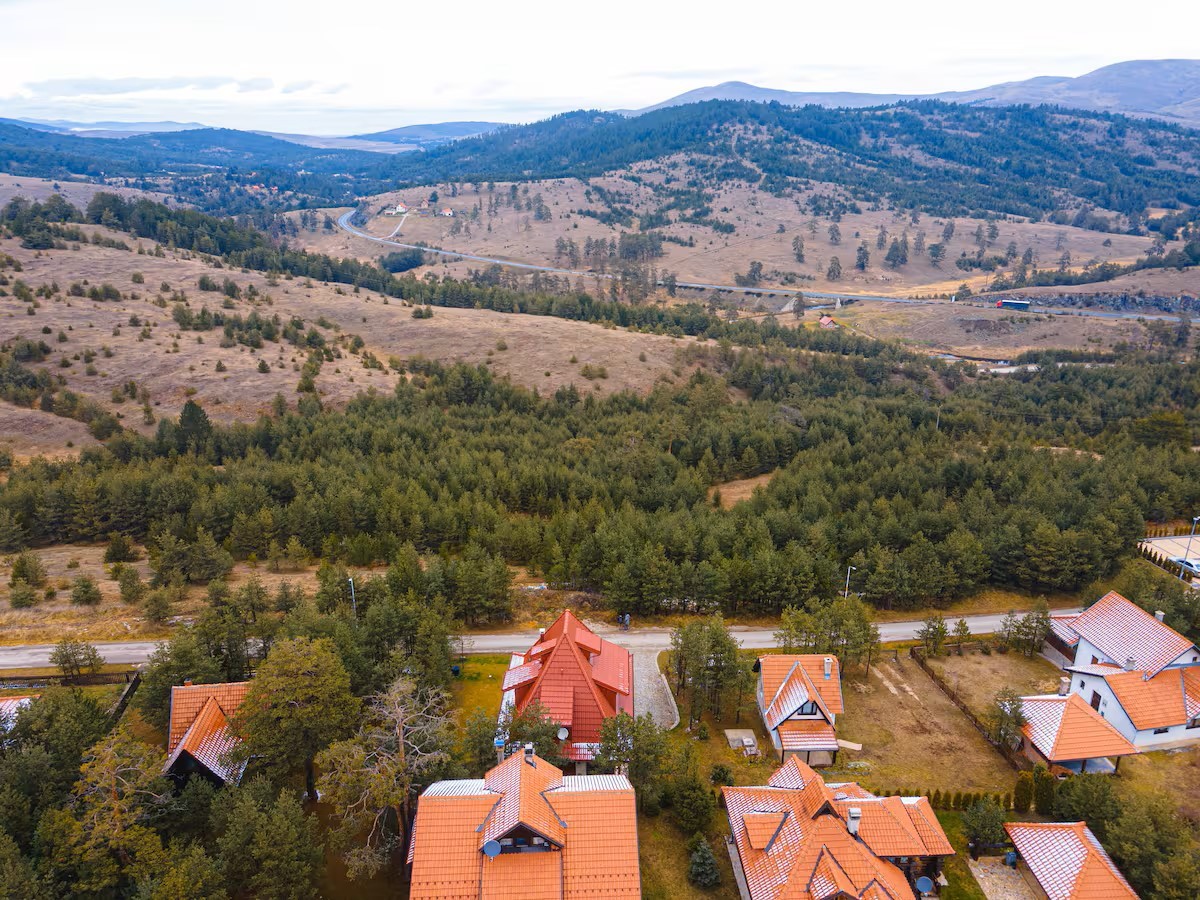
(944, 159)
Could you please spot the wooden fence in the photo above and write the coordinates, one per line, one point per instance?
(70, 680)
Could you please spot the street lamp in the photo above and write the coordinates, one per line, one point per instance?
(849, 569)
(1187, 554)
(353, 602)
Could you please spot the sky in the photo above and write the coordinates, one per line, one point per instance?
(350, 66)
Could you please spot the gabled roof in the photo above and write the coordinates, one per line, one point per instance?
(1123, 630)
(578, 676)
(209, 741)
(589, 820)
(1068, 862)
(793, 840)
(187, 700)
(1065, 728)
(1172, 697)
(1060, 624)
(791, 680)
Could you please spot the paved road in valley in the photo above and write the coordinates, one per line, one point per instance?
(645, 639)
(344, 223)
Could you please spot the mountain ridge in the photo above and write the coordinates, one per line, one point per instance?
(1167, 89)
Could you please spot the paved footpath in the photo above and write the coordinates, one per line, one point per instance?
(636, 639)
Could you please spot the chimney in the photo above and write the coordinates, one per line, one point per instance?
(853, 818)
(1159, 614)
(529, 754)
(187, 682)
(498, 743)
(1064, 686)
(1130, 664)
(829, 667)
(541, 633)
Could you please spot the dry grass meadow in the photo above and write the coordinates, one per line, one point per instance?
(977, 677)
(913, 737)
(172, 365)
(765, 228)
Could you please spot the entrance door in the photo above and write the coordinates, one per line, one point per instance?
(1096, 700)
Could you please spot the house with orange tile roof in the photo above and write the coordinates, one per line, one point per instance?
(199, 739)
(1139, 674)
(1062, 732)
(578, 677)
(526, 830)
(1064, 861)
(799, 838)
(800, 698)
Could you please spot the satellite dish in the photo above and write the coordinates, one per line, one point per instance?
(563, 733)
(924, 883)
(491, 849)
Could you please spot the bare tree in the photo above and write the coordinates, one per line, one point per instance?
(371, 779)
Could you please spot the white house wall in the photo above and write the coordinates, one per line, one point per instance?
(1115, 714)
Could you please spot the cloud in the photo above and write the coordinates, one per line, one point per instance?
(297, 86)
(106, 87)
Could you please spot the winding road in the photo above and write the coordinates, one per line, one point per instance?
(636, 639)
(344, 223)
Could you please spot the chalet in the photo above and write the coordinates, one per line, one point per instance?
(827, 322)
(800, 698)
(526, 830)
(447, 212)
(1140, 675)
(399, 209)
(798, 837)
(1064, 861)
(579, 677)
(199, 739)
(1065, 734)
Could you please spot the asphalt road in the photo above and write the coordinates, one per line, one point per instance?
(653, 639)
(344, 223)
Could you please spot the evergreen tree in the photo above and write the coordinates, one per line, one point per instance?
(702, 865)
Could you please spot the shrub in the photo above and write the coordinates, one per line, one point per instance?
(936, 800)
(1044, 789)
(263, 367)
(702, 732)
(1088, 798)
(84, 591)
(22, 595)
(28, 568)
(132, 587)
(984, 822)
(1023, 793)
(702, 866)
(693, 804)
(721, 774)
(157, 607)
(120, 549)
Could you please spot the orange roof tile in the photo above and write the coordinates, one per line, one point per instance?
(1065, 728)
(1068, 862)
(210, 742)
(1121, 629)
(807, 734)
(793, 841)
(187, 701)
(579, 677)
(774, 669)
(590, 819)
(11, 705)
(1157, 702)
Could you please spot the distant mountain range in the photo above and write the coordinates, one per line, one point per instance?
(1163, 89)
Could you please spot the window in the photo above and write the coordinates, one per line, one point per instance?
(1194, 722)
(1081, 685)
(1161, 730)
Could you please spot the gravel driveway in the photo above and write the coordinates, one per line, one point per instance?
(650, 691)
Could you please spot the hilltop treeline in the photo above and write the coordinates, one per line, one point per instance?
(945, 159)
